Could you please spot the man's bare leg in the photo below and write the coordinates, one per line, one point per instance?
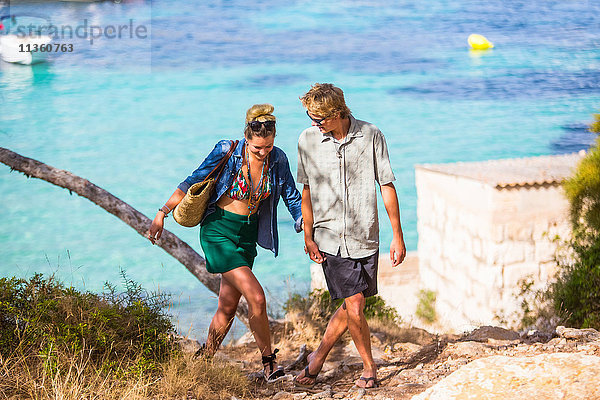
(335, 329)
(359, 330)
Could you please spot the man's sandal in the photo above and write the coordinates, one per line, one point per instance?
(273, 375)
(369, 379)
(308, 375)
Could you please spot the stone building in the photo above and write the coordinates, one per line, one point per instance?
(483, 227)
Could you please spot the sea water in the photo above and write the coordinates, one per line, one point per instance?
(135, 111)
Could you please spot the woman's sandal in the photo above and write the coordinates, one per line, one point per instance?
(202, 353)
(308, 375)
(273, 375)
(369, 379)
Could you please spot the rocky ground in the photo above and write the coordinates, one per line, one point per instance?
(535, 365)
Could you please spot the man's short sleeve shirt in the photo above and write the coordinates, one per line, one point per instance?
(342, 181)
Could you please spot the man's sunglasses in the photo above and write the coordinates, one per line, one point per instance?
(315, 120)
(256, 125)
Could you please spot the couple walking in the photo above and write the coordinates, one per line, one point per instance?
(340, 160)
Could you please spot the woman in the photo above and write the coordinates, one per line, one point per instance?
(241, 213)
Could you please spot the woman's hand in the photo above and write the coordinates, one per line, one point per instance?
(156, 228)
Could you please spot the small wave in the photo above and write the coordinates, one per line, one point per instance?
(576, 137)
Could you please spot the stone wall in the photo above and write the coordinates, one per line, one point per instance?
(476, 241)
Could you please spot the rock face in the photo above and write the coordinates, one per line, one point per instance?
(465, 350)
(544, 376)
(586, 335)
(484, 333)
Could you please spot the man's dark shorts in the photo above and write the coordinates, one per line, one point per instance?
(348, 276)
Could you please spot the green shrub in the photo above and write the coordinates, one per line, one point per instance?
(537, 308)
(595, 126)
(319, 301)
(575, 293)
(426, 306)
(375, 308)
(318, 304)
(583, 192)
(123, 333)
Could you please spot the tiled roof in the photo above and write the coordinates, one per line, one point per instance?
(514, 172)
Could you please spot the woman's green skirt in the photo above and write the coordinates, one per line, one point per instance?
(228, 240)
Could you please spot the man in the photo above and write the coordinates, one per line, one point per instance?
(340, 159)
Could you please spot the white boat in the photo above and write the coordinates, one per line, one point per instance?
(21, 48)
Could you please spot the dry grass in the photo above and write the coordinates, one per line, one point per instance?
(309, 315)
(202, 379)
(305, 328)
(75, 377)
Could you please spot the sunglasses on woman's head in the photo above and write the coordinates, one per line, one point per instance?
(255, 125)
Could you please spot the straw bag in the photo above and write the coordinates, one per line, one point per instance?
(191, 209)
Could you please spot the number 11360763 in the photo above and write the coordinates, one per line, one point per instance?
(46, 48)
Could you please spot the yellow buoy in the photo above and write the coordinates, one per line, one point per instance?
(479, 42)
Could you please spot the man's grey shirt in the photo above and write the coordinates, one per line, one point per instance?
(342, 186)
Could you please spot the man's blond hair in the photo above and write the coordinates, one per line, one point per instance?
(325, 100)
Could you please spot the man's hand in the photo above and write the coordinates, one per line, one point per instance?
(397, 252)
(390, 200)
(312, 249)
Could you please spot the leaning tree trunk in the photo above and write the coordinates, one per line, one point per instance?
(169, 242)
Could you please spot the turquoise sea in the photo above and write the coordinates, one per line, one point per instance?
(136, 114)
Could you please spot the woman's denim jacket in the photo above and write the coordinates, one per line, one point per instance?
(282, 184)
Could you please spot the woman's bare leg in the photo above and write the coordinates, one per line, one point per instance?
(229, 298)
(246, 283)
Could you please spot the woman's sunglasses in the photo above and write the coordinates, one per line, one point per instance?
(315, 120)
(256, 125)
